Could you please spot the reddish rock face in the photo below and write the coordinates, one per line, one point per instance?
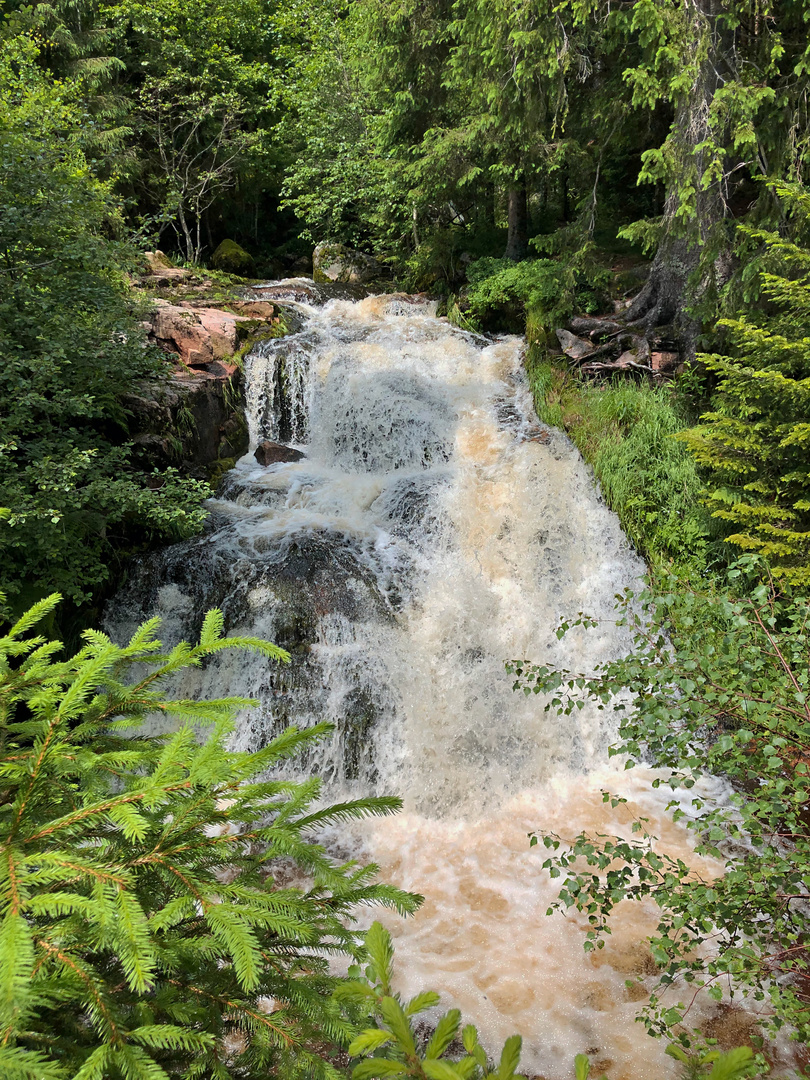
(664, 361)
(255, 309)
(270, 453)
(199, 335)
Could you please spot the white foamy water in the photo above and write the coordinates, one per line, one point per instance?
(434, 530)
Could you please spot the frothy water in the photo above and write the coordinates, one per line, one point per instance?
(434, 530)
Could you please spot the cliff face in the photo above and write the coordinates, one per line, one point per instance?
(194, 419)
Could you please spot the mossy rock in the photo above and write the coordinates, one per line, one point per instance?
(336, 262)
(233, 259)
(217, 470)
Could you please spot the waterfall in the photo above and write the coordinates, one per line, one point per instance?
(434, 530)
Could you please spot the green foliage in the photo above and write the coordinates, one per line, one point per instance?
(734, 1065)
(392, 1046)
(395, 1046)
(142, 934)
(71, 348)
(627, 432)
(202, 90)
(726, 696)
(538, 294)
(755, 441)
(340, 182)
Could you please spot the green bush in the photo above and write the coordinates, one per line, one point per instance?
(535, 295)
(755, 441)
(392, 1047)
(142, 935)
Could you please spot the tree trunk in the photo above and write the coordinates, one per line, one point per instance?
(517, 243)
(181, 215)
(672, 287)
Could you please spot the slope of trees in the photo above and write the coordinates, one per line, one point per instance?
(71, 347)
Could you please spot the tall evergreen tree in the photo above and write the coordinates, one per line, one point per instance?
(755, 443)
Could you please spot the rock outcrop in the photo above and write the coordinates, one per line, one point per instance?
(336, 262)
(194, 419)
(201, 335)
(162, 273)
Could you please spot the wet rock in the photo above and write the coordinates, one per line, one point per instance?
(193, 420)
(271, 453)
(303, 589)
(335, 262)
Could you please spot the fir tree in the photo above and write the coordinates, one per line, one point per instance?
(756, 441)
(142, 935)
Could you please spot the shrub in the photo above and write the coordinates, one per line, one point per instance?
(70, 350)
(142, 935)
(392, 1047)
(536, 294)
(755, 442)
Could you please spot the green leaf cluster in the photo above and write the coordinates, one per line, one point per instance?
(71, 348)
(397, 1046)
(392, 1046)
(143, 934)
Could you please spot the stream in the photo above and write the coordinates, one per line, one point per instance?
(434, 530)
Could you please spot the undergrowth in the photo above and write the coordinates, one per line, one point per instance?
(625, 432)
(536, 294)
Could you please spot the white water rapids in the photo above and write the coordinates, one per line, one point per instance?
(433, 531)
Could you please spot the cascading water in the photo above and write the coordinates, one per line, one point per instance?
(434, 530)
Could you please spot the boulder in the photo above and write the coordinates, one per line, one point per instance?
(271, 453)
(162, 273)
(193, 421)
(302, 265)
(233, 259)
(336, 262)
(201, 335)
(573, 346)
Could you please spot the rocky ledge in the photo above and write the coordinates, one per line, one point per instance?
(194, 419)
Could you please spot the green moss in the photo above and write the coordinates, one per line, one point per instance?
(217, 470)
(233, 259)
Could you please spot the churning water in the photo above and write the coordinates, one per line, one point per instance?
(434, 530)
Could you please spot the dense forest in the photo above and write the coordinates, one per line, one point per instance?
(625, 185)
